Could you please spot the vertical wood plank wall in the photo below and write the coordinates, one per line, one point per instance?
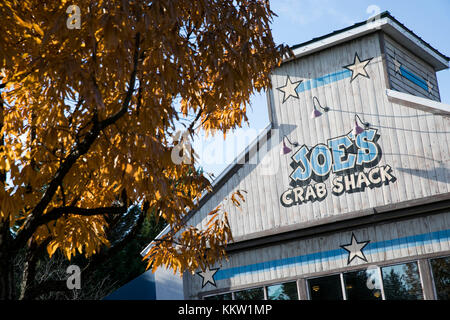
(305, 258)
(414, 143)
(412, 63)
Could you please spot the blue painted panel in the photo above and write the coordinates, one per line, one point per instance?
(324, 80)
(413, 78)
(372, 247)
(141, 288)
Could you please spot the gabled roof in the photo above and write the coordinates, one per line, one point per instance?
(386, 22)
(242, 158)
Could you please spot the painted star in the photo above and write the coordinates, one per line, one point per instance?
(397, 65)
(355, 249)
(208, 276)
(289, 89)
(430, 86)
(358, 67)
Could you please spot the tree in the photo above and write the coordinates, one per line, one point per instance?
(103, 279)
(412, 281)
(393, 286)
(441, 277)
(90, 105)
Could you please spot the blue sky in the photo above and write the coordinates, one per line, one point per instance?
(301, 20)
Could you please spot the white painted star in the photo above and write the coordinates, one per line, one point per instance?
(208, 276)
(430, 86)
(358, 67)
(397, 65)
(289, 89)
(355, 249)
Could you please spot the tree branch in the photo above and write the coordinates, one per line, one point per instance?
(58, 212)
(32, 256)
(47, 286)
(96, 261)
(107, 122)
(191, 127)
(34, 219)
(105, 255)
(2, 138)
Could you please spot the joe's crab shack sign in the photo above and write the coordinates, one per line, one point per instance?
(351, 161)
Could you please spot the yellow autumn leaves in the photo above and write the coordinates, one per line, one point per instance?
(60, 84)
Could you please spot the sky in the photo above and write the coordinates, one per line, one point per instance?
(298, 21)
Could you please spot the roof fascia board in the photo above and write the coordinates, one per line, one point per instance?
(411, 42)
(338, 38)
(159, 236)
(391, 27)
(422, 104)
(240, 159)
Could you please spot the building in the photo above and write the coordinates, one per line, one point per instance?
(357, 204)
(161, 285)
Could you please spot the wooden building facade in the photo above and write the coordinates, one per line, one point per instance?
(357, 203)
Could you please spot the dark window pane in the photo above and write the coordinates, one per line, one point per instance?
(441, 275)
(363, 285)
(226, 296)
(402, 282)
(325, 288)
(251, 294)
(284, 291)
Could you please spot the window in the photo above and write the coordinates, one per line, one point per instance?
(363, 285)
(402, 282)
(441, 275)
(226, 296)
(250, 294)
(325, 288)
(284, 291)
(395, 282)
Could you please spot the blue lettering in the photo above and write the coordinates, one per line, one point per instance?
(324, 168)
(367, 149)
(301, 174)
(339, 153)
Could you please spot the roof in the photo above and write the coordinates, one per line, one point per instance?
(222, 178)
(389, 25)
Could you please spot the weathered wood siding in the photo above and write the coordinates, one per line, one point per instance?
(413, 65)
(408, 239)
(415, 144)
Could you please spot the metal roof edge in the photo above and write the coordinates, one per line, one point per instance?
(423, 104)
(162, 233)
(336, 32)
(385, 22)
(218, 182)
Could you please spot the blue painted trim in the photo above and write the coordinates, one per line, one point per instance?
(413, 78)
(343, 74)
(371, 248)
(324, 80)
